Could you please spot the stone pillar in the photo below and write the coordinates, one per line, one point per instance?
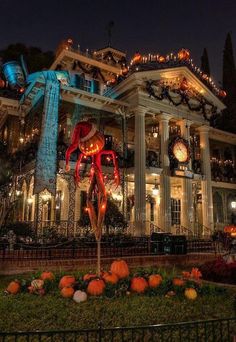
(187, 196)
(140, 172)
(207, 203)
(165, 200)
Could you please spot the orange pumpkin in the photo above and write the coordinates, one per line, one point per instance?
(67, 292)
(161, 59)
(137, 58)
(183, 54)
(110, 277)
(93, 145)
(222, 93)
(47, 276)
(96, 287)
(13, 287)
(178, 282)
(190, 293)
(89, 276)
(120, 268)
(154, 280)
(66, 281)
(138, 284)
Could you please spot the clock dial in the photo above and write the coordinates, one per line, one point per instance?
(180, 151)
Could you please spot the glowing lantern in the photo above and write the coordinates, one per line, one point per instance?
(161, 59)
(183, 55)
(222, 93)
(137, 58)
(230, 229)
(205, 76)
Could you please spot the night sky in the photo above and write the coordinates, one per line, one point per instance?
(147, 26)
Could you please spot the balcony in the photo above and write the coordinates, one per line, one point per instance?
(223, 170)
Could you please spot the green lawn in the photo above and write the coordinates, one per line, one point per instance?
(27, 312)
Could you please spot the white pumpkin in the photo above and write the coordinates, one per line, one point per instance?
(37, 284)
(80, 296)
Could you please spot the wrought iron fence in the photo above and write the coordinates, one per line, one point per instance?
(111, 247)
(215, 330)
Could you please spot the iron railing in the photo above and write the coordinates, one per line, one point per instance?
(215, 330)
(85, 248)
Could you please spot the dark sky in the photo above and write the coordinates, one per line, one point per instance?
(156, 26)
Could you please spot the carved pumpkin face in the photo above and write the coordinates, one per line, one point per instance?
(139, 284)
(96, 287)
(120, 268)
(137, 58)
(183, 54)
(93, 145)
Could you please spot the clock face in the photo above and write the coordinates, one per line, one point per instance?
(180, 151)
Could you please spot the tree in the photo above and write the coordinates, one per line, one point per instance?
(228, 119)
(35, 58)
(205, 67)
(113, 218)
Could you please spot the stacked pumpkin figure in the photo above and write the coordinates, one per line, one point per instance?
(118, 280)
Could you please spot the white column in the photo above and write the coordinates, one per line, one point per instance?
(187, 196)
(140, 172)
(207, 203)
(165, 201)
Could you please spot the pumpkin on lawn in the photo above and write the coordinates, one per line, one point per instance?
(80, 296)
(67, 292)
(110, 277)
(138, 284)
(96, 287)
(190, 293)
(66, 281)
(178, 282)
(120, 268)
(37, 284)
(13, 287)
(154, 280)
(47, 276)
(89, 276)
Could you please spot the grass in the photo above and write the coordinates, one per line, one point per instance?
(27, 312)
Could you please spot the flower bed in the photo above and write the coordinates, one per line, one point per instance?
(221, 270)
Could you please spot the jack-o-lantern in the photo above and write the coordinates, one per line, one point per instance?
(222, 93)
(161, 59)
(93, 145)
(137, 58)
(183, 55)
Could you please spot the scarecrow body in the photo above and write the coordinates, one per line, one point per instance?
(91, 142)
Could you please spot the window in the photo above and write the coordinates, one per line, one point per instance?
(58, 206)
(87, 85)
(175, 211)
(218, 208)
